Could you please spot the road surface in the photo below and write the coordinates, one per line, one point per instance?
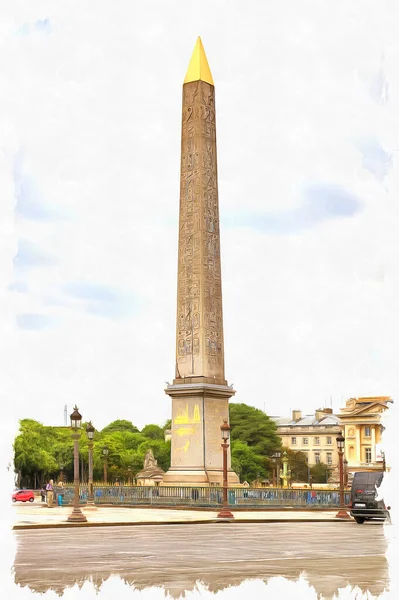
(222, 554)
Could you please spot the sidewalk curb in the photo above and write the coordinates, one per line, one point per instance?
(66, 525)
(236, 508)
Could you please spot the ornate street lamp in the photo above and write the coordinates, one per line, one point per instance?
(345, 473)
(275, 458)
(129, 476)
(76, 515)
(225, 429)
(285, 473)
(273, 461)
(341, 514)
(278, 456)
(90, 498)
(105, 455)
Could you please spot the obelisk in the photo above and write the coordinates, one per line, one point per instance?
(200, 394)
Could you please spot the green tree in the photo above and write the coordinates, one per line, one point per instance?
(167, 424)
(34, 456)
(298, 463)
(246, 462)
(254, 427)
(120, 425)
(320, 473)
(153, 432)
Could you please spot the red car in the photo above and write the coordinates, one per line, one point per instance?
(23, 496)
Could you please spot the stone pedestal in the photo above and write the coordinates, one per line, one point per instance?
(198, 410)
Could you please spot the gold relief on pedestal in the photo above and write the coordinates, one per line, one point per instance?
(185, 418)
(183, 448)
(184, 431)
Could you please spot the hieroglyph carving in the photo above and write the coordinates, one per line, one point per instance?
(199, 304)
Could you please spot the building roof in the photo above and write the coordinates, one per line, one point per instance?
(354, 405)
(306, 421)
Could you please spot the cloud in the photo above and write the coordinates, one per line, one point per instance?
(375, 158)
(18, 286)
(379, 87)
(30, 203)
(320, 202)
(39, 26)
(326, 200)
(29, 255)
(100, 299)
(34, 322)
(376, 84)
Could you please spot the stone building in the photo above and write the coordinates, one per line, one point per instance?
(362, 428)
(314, 435)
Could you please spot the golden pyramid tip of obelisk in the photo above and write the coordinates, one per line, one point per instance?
(198, 69)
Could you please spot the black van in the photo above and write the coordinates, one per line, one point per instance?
(364, 505)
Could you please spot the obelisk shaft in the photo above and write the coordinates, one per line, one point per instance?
(200, 395)
(199, 339)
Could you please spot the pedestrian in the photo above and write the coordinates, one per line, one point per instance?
(50, 493)
(60, 491)
(43, 493)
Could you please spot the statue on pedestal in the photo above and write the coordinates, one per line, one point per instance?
(151, 474)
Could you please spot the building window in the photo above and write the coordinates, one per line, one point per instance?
(368, 454)
(305, 441)
(317, 458)
(329, 458)
(329, 440)
(293, 441)
(367, 431)
(317, 441)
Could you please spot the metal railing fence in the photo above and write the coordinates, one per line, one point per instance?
(124, 495)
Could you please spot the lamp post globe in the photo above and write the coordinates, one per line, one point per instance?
(90, 431)
(225, 429)
(76, 515)
(76, 419)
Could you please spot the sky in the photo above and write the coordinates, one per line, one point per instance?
(307, 158)
(308, 139)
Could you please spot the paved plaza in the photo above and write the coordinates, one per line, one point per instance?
(39, 515)
(332, 554)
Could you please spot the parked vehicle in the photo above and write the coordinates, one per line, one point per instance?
(23, 496)
(364, 492)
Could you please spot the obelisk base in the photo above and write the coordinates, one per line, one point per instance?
(198, 410)
(199, 478)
